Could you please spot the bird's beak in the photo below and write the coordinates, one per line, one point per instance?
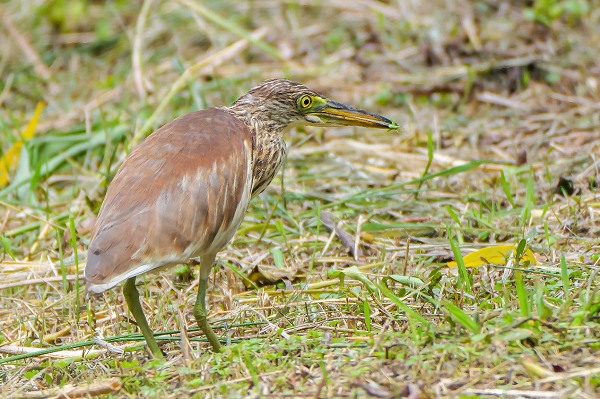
(333, 113)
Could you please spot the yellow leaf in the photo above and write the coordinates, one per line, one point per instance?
(29, 131)
(497, 255)
(11, 157)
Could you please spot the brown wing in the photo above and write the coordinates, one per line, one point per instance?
(182, 193)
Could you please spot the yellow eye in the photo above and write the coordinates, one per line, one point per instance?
(305, 101)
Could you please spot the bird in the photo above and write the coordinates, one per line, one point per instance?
(181, 194)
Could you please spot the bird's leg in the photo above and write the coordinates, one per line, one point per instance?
(200, 312)
(132, 297)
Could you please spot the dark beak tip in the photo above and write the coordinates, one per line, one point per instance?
(391, 125)
(394, 126)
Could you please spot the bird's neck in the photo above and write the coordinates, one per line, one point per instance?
(268, 148)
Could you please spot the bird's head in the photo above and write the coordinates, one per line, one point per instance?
(279, 104)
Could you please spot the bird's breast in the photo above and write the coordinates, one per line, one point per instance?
(269, 154)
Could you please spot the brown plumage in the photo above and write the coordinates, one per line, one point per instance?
(183, 192)
(184, 200)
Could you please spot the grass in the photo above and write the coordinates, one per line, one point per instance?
(498, 105)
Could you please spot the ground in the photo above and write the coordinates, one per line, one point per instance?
(338, 282)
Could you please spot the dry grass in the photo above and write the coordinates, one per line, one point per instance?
(477, 80)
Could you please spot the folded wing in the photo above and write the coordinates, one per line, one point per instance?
(182, 193)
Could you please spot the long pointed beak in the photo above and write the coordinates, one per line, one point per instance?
(337, 114)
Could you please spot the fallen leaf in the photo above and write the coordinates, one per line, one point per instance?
(269, 275)
(345, 238)
(11, 158)
(497, 255)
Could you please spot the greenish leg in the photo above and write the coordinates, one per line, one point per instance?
(132, 297)
(200, 312)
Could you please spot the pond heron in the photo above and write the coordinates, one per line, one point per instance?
(183, 192)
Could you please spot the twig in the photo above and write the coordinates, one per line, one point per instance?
(39, 281)
(346, 239)
(61, 354)
(379, 338)
(320, 387)
(7, 85)
(515, 392)
(109, 347)
(138, 75)
(5, 221)
(406, 257)
(40, 68)
(573, 374)
(357, 251)
(105, 387)
(186, 348)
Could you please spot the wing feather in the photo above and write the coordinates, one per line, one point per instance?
(182, 193)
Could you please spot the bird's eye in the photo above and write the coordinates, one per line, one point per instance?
(305, 101)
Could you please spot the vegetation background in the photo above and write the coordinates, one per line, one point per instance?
(337, 283)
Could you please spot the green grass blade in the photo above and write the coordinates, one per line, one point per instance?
(462, 317)
(522, 294)
(96, 140)
(453, 215)
(444, 173)
(241, 275)
(6, 244)
(462, 270)
(367, 313)
(429, 161)
(278, 258)
(250, 365)
(506, 189)
(411, 314)
(520, 251)
(564, 273)
(542, 310)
